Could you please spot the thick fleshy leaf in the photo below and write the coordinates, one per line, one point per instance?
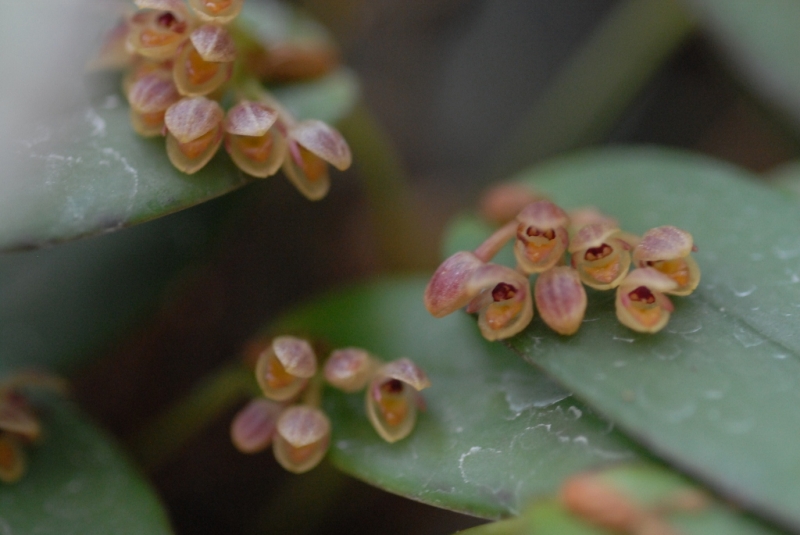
(72, 165)
(77, 481)
(496, 434)
(760, 40)
(716, 391)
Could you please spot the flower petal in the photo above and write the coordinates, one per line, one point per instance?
(213, 43)
(190, 118)
(561, 299)
(253, 427)
(324, 141)
(448, 291)
(663, 243)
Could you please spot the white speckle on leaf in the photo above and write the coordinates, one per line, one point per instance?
(714, 394)
(744, 293)
(580, 439)
(575, 411)
(620, 339)
(779, 356)
(97, 122)
(746, 337)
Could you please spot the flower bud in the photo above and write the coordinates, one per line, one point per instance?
(252, 140)
(503, 301)
(194, 127)
(216, 11)
(502, 202)
(114, 53)
(588, 215)
(561, 299)
(312, 145)
(601, 258)
(253, 427)
(542, 237)
(667, 249)
(349, 369)
(158, 32)
(12, 458)
(17, 417)
(302, 437)
(283, 369)
(149, 97)
(205, 62)
(641, 304)
(447, 290)
(392, 398)
(500, 295)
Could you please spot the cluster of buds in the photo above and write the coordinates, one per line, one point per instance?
(289, 415)
(643, 270)
(180, 60)
(19, 424)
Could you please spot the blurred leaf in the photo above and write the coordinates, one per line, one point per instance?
(716, 391)
(78, 482)
(58, 306)
(760, 40)
(72, 164)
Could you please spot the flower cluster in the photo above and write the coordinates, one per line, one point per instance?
(19, 424)
(286, 371)
(600, 257)
(180, 60)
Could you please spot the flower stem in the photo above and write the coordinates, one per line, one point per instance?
(588, 96)
(489, 248)
(165, 436)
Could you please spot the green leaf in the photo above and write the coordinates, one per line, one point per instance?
(72, 165)
(497, 433)
(760, 40)
(59, 305)
(78, 482)
(716, 391)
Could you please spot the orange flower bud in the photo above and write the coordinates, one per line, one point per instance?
(302, 437)
(312, 145)
(283, 368)
(253, 427)
(158, 32)
(194, 127)
(561, 299)
(667, 249)
(252, 139)
(601, 258)
(216, 11)
(149, 98)
(641, 304)
(391, 398)
(349, 369)
(205, 62)
(542, 236)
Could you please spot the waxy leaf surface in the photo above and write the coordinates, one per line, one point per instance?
(71, 163)
(716, 392)
(497, 434)
(760, 41)
(78, 482)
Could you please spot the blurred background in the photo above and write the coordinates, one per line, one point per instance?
(465, 92)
